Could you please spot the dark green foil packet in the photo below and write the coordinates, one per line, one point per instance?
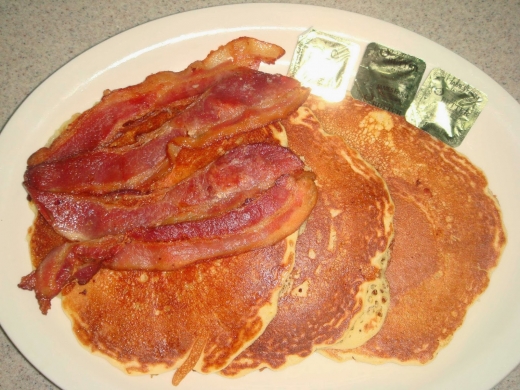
(446, 107)
(388, 78)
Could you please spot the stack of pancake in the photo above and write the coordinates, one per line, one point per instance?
(403, 237)
(343, 285)
(324, 288)
(448, 231)
(320, 287)
(448, 238)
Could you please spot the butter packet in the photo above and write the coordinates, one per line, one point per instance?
(324, 63)
(388, 78)
(446, 107)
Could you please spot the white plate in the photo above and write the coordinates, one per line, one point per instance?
(482, 352)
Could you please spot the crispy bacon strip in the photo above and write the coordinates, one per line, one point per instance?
(56, 270)
(278, 212)
(243, 100)
(246, 100)
(188, 161)
(105, 170)
(101, 124)
(225, 184)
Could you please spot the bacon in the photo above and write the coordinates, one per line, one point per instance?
(109, 182)
(243, 100)
(188, 161)
(58, 268)
(263, 222)
(131, 130)
(278, 212)
(102, 123)
(105, 170)
(225, 184)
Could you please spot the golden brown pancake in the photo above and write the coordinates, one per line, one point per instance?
(337, 291)
(198, 317)
(448, 230)
(150, 322)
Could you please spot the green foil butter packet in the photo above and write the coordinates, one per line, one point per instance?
(324, 63)
(446, 107)
(388, 78)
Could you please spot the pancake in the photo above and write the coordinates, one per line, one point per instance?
(448, 231)
(199, 317)
(202, 315)
(337, 291)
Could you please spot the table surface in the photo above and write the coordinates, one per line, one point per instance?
(38, 37)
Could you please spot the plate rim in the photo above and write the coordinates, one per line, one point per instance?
(508, 101)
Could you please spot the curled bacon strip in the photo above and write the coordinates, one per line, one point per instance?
(242, 100)
(105, 170)
(102, 123)
(226, 183)
(247, 100)
(56, 270)
(275, 214)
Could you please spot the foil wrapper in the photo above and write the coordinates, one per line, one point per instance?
(446, 107)
(388, 78)
(324, 63)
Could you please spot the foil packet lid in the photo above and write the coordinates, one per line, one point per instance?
(324, 63)
(388, 78)
(446, 107)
